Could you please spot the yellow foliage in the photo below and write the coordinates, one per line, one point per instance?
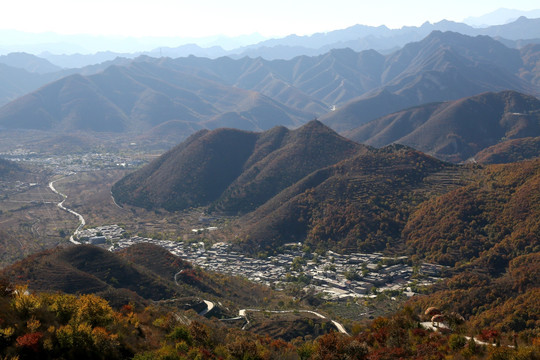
(102, 339)
(33, 324)
(64, 306)
(93, 310)
(24, 302)
(64, 336)
(7, 332)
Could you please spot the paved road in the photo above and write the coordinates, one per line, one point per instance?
(61, 206)
(115, 203)
(209, 306)
(243, 314)
(429, 325)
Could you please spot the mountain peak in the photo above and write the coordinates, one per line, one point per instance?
(314, 124)
(233, 170)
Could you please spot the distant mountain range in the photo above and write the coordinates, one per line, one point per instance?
(443, 66)
(500, 16)
(29, 62)
(137, 97)
(381, 38)
(22, 73)
(357, 37)
(148, 96)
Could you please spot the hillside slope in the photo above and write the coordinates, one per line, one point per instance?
(87, 269)
(456, 130)
(441, 67)
(232, 170)
(510, 151)
(136, 97)
(359, 204)
(10, 171)
(490, 221)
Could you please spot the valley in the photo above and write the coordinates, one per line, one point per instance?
(334, 275)
(351, 202)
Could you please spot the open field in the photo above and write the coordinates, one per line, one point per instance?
(30, 219)
(88, 193)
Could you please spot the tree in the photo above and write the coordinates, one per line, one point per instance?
(351, 274)
(93, 310)
(298, 263)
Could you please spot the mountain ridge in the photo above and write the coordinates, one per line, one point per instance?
(187, 94)
(233, 170)
(436, 69)
(459, 129)
(135, 98)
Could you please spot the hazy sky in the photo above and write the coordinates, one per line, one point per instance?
(198, 18)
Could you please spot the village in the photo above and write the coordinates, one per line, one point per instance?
(72, 163)
(336, 276)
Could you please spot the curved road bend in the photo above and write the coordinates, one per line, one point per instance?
(61, 206)
(243, 314)
(209, 305)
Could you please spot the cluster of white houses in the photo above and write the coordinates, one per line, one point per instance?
(336, 275)
(101, 235)
(70, 163)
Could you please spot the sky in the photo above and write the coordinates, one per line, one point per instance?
(202, 18)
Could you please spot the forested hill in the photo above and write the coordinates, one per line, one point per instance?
(510, 151)
(491, 221)
(402, 200)
(359, 204)
(457, 130)
(490, 231)
(232, 170)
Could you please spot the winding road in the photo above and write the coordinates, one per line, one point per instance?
(242, 314)
(61, 206)
(209, 305)
(430, 326)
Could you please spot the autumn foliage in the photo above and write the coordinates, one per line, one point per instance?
(60, 326)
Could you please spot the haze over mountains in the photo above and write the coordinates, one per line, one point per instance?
(161, 101)
(412, 154)
(443, 66)
(187, 94)
(500, 16)
(60, 49)
(140, 96)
